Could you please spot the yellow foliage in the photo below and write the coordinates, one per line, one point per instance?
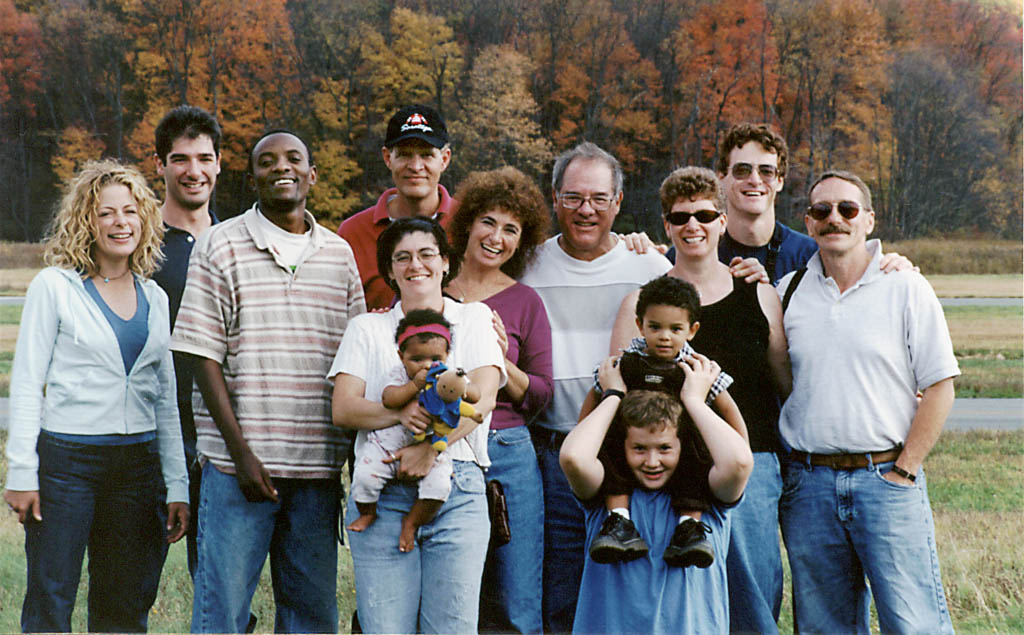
(74, 147)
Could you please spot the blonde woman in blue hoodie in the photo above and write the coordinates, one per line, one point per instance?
(95, 457)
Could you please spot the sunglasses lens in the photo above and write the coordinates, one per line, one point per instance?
(848, 209)
(819, 211)
(682, 218)
(742, 170)
(767, 171)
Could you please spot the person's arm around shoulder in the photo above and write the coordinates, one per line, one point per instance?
(749, 269)
(730, 453)
(934, 407)
(578, 456)
(778, 348)
(892, 262)
(624, 329)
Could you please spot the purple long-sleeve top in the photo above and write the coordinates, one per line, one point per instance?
(529, 348)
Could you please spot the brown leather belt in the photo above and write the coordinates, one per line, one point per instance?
(846, 461)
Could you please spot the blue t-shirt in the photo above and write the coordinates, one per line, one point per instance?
(647, 595)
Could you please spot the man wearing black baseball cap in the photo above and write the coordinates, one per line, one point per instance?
(416, 151)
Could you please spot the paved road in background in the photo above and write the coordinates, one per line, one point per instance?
(968, 414)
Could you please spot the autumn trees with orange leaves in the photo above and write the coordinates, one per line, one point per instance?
(922, 97)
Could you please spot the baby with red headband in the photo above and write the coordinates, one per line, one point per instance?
(423, 337)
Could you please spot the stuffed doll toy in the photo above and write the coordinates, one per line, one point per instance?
(447, 396)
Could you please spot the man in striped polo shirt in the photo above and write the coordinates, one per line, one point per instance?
(268, 297)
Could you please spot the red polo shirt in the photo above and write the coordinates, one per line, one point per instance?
(362, 229)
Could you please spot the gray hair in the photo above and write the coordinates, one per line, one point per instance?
(589, 151)
(849, 177)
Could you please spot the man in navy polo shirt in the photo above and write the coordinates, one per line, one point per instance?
(188, 157)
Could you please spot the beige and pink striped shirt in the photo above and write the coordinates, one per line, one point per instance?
(275, 331)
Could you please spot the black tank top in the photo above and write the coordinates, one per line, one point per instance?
(734, 333)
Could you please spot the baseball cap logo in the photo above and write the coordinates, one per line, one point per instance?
(416, 121)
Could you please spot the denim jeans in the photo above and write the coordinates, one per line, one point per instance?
(435, 587)
(299, 533)
(510, 598)
(755, 561)
(842, 526)
(564, 540)
(111, 501)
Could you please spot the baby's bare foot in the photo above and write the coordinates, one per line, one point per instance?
(407, 539)
(361, 523)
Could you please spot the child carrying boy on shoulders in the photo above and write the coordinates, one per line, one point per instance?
(667, 315)
(646, 594)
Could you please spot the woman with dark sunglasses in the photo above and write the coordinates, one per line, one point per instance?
(741, 329)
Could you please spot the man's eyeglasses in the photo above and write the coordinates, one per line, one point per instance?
(822, 210)
(598, 202)
(744, 170)
(404, 258)
(682, 218)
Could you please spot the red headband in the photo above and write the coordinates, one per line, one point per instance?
(436, 329)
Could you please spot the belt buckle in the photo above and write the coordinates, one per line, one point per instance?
(832, 461)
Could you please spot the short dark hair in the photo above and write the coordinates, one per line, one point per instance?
(691, 183)
(670, 291)
(849, 177)
(398, 229)
(186, 121)
(591, 152)
(309, 153)
(742, 134)
(421, 317)
(512, 191)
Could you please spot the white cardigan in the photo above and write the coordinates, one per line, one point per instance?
(68, 376)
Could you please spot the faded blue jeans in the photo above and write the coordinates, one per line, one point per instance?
(435, 587)
(510, 599)
(755, 560)
(299, 532)
(844, 528)
(111, 499)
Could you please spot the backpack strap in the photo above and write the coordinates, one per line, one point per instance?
(773, 253)
(793, 284)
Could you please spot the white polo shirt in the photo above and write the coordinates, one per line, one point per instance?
(860, 357)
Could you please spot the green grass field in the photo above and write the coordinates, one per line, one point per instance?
(976, 489)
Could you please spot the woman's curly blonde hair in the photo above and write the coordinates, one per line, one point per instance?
(71, 235)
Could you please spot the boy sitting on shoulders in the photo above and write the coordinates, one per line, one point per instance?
(644, 595)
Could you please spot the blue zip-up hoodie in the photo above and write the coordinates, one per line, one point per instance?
(68, 376)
